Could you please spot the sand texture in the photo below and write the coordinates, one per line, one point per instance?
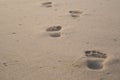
(59, 39)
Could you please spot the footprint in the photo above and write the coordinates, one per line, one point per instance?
(47, 4)
(5, 64)
(54, 31)
(75, 13)
(95, 59)
(54, 28)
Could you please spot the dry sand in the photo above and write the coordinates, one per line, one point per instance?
(59, 39)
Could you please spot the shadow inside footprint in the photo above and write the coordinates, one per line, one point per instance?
(94, 64)
(55, 35)
(74, 15)
(54, 28)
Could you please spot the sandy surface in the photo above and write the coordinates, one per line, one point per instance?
(59, 39)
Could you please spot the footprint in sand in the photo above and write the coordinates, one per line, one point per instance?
(75, 13)
(47, 4)
(95, 59)
(5, 64)
(54, 31)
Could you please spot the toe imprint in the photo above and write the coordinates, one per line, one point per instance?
(95, 54)
(75, 13)
(47, 4)
(54, 28)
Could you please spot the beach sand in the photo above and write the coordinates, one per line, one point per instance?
(59, 40)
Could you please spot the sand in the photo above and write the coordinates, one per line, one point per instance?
(59, 40)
